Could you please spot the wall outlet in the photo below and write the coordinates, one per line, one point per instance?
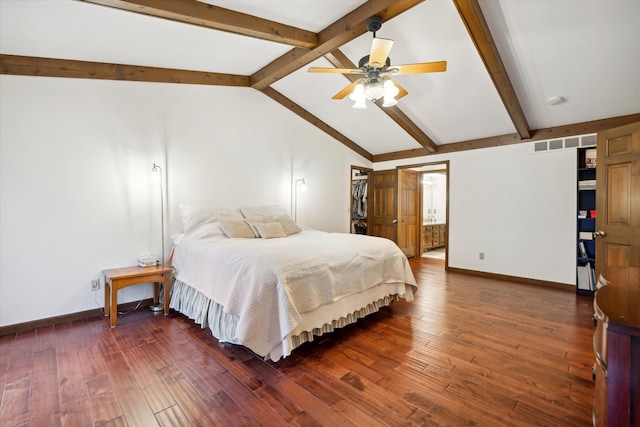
(481, 255)
(95, 285)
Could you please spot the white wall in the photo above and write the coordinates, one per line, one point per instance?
(517, 207)
(77, 195)
(76, 188)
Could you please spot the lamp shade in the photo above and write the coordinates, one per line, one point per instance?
(373, 90)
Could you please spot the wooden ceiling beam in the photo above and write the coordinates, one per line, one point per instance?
(315, 121)
(47, 67)
(340, 60)
(480, 34)
(331, 38)
(574, 129)
(205, 15)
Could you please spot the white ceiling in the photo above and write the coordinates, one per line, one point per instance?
(585, 51)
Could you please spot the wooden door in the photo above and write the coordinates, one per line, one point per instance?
(408, 211)
(618, 198)
(383, 220)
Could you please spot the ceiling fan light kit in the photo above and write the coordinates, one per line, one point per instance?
(376, 70)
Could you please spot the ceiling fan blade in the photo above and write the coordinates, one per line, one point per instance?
(334, 70)
(380, 49)
(402, 90)
(346, 91)
(424, 67)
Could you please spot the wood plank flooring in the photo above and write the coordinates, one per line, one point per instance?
(467, 351)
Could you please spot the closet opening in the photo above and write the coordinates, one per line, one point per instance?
(359, 205)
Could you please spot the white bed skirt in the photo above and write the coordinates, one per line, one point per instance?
(209, 314)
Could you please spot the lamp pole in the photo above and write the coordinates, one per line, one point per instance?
(295, 212)
(158, 169)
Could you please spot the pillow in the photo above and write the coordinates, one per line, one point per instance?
(270, 230)
(265, 210)
(193, 216)
(252, 221)
(196, 215)
(237, 228)
(228, 213)
(278, 210)
(288, 225)
(206, 231)
(255, 211)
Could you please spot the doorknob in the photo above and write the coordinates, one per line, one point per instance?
(597, 234)
(395, 221)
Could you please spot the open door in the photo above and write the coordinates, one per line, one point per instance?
(408, 211)
(618, 200)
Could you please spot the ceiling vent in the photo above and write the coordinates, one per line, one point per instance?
(556, 144)
(541, 146)
(564, 143)
(588, 140)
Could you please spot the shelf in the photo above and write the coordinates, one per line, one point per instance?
(585, 248)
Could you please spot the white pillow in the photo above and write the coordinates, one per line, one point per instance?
(207, 231)
(255, 211)
(193, 216)
(288, 225)
(228, 213)
(278, 210)
(237, 228)
(270, 230)
(264, 210)
(196, 215)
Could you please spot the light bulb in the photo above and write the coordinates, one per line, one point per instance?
(373, 90)
(389, 101)
(358, 92)
(360, 104)
(390, 89)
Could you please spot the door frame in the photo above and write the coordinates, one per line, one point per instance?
(369, 193)
(446, 166)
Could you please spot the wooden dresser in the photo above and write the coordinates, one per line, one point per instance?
(616, 344)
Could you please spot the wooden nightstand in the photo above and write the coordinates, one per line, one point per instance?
(118, 278)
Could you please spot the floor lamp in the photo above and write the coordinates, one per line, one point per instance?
(157, 169)
(295, 205)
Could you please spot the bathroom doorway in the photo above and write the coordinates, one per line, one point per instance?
(433, 209)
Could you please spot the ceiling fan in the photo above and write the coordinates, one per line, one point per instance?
(377, 71)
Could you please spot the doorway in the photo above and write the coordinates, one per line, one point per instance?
(360, 207)
(432, 210)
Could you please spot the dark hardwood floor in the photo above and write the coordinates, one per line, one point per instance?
(467, 351)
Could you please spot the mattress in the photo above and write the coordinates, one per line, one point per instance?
(271, 295)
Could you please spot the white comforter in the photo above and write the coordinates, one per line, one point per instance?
(269, 283)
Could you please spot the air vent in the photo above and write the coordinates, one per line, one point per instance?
(565, 143)
(588, 140)
(540, 146)
(571, 142)
(555, 144)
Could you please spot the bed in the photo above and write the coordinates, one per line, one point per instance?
(257, 279)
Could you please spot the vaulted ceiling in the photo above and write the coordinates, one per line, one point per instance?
(506, 59)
